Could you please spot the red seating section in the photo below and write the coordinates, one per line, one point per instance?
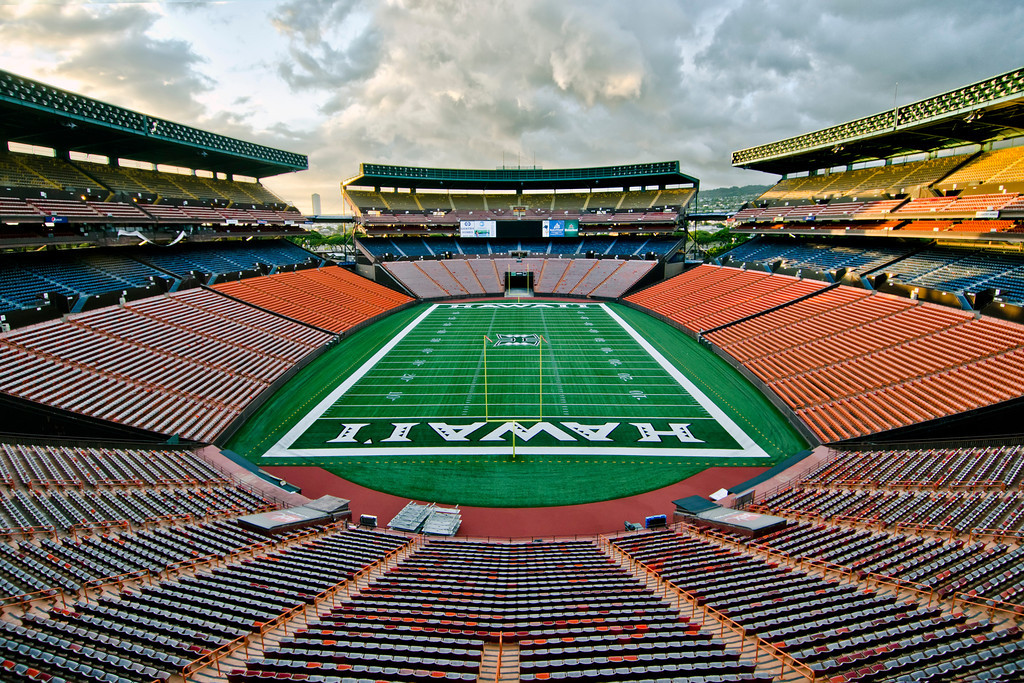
(606, 278)
(708, 296)
(331, 298)
(183, 364)
(849, 362)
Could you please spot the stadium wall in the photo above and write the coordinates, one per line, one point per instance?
(934, 296)
(91, 302)
(673, 269)
(1009, 312)
(23, 317)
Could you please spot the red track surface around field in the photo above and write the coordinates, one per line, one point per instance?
(568, 520)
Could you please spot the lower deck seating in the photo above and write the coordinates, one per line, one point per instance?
(708, 296)
(605, 278)
(851, 363)
(186, 363)
(154, 631)
(571, 612)
(848, 361)
(841, 632)
(331, 298)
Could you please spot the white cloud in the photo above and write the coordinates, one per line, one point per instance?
(107, 52)
(457, 83)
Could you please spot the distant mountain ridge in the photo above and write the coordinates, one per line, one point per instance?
(734, 191)
(728, 198)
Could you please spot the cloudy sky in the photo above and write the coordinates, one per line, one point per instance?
(481, 83)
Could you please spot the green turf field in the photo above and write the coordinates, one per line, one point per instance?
(528, 403)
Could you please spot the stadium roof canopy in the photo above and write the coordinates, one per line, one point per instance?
(416, 177)
(34, 113)
(976, 114)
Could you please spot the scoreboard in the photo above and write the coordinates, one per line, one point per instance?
(477, 229)
(553, 227)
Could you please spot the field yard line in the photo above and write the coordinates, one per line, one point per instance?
(745, 442)
(579, 449)
(313, 415)
(405, 413)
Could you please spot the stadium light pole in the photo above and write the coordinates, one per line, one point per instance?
(895, 109)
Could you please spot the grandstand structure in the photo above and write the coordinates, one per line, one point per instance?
(74, 170)
(880, 329)
(407, 200)
(949, 167)
(445, 233)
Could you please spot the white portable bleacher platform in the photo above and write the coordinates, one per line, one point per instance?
(411, 517)
(427, 518)
(443, 521)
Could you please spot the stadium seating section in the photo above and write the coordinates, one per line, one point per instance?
(708, 296)
(331, 298)
(36, 187)
(944, 195)
(185, 363)
(948, 519)
(965, 269)
(225, 258)
(566, 609)
(83, 273)
(137, 571)
(818, 255)
(837, 631)
(235, 583)
(377, 209)
(445, 267)
(605, 278)
(847, 361)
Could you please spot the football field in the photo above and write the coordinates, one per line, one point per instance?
(517, 378)
(517, 403)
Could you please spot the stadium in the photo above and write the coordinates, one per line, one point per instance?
(519, 430)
